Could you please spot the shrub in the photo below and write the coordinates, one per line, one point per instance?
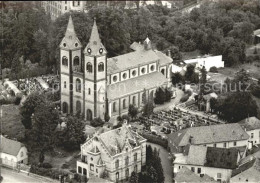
(65, 166)
(17, 100)
(46, 165)
(213, 69)
(97, 122)
(184, 98)
(52, 173)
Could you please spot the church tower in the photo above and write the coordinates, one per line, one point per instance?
(71, 72)
(95, 69)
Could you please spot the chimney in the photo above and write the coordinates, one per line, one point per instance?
(169, 53)
(191, 140)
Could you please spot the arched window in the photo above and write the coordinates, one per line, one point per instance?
(151, 94)
(135, 157)
(65, 107)
(89, 91)
(143, 98)
(117, 163)
(65, 84)
(135, 168)
(21, 154)
(89, 67)
(78, 106)
(64, 61)
(114, 107)
(134, 102)
(89, 115)
(127, 173)
(163, 71)
(124, 103)
(78, 85)
(117, 176)
(127, 160)
(101, 67)
(76, 61)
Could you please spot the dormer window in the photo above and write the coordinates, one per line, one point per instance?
(89, 67)
(89, 50)
(76, 44)
(64, 44)
(101, 50)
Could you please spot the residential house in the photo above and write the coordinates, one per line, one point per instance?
(12, 152)
(223, 135)
(252, 127)
(117, 152)
(217, 163)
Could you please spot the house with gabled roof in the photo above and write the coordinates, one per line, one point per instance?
(252, 127)
(217, 163)
(12, 152)
(223, 135)
(117, 152)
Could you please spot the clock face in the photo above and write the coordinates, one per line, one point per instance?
(89, 50)
(101, 50)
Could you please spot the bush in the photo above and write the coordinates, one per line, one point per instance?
(46, 165)
(54, 174)
(155, 139)
(97, 122)
(213, 69)
(184, 98)
(65, 166)
(17, 100)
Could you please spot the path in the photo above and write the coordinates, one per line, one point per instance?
(166, 162)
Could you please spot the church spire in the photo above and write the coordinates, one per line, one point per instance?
(70, 40)
(95, 47)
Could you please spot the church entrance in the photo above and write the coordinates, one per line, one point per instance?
(89, 115)
(65, 107)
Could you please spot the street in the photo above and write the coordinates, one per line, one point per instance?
(166, 162)
(10, 176)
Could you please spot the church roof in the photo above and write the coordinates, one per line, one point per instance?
(134, 85)
(164, 59)
(70, 40)
(95, 47)
(130, 60)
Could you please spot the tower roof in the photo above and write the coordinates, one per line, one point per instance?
(95, 47)
(70, 40)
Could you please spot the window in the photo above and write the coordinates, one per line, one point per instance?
(117, 176)
(117, 163)
(235, 143)
(114, 78)
(84, 171)
(114, 107)
(219, 175)
(215, 145)
(76, 44)
(133, 73)
(152, 68)
(124, 104)
(127, 173)
(76, 61)
(143, 98)
(91, 167)
(163, 71)
(252, 135)
(64, 44)
(151, 94)
(133, 100)
(225, 144)
(135, 157)
(65, 84)
(96, 170)
(124, 76)
(127, 160)
(179, 167)
(135, 168)
(101, 67)
(78, 106)
(65, 61)
(89, 91)
(21, 154)
(78, 85)
(143, 70)
(192, 169)
(199, 170)
(89, 67)
(79, 169)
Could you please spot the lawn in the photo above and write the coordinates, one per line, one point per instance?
(11, 122)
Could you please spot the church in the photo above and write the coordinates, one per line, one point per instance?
(94, 86)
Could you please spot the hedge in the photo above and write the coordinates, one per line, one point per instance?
(155, 139)
(51, 173)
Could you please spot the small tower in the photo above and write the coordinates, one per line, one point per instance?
(95, 75)
(70, 62)
(147, 44)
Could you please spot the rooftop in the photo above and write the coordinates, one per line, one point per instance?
(250, 123)
(9, 146)
(134, 85)
(209, 134)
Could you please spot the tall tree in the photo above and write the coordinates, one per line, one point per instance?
(132, 111)
(134, 178)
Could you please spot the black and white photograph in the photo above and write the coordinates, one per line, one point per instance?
(130, 91)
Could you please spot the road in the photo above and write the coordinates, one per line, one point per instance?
(10, 176)
(166, 162)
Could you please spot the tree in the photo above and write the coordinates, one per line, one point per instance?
(97, 122)
(133, 178)
(177, 78)
(73, 135)
(191, 75)
(203, 80)
(132, 111)
(148, 108)
(213, 69)
(168, 95)
(159, 96)
(107, 117)
(213, 104)
(16, 68)
(29, 106)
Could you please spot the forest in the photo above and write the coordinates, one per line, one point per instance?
(224, 28)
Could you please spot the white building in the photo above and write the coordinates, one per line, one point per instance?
(217, 163)
(12, 152)
(207, 61)
(252, 127)
(117, 152)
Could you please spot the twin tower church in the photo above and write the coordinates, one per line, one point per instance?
(93, 85)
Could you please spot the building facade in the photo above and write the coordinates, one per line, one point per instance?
(117, 153)
(95, 85)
